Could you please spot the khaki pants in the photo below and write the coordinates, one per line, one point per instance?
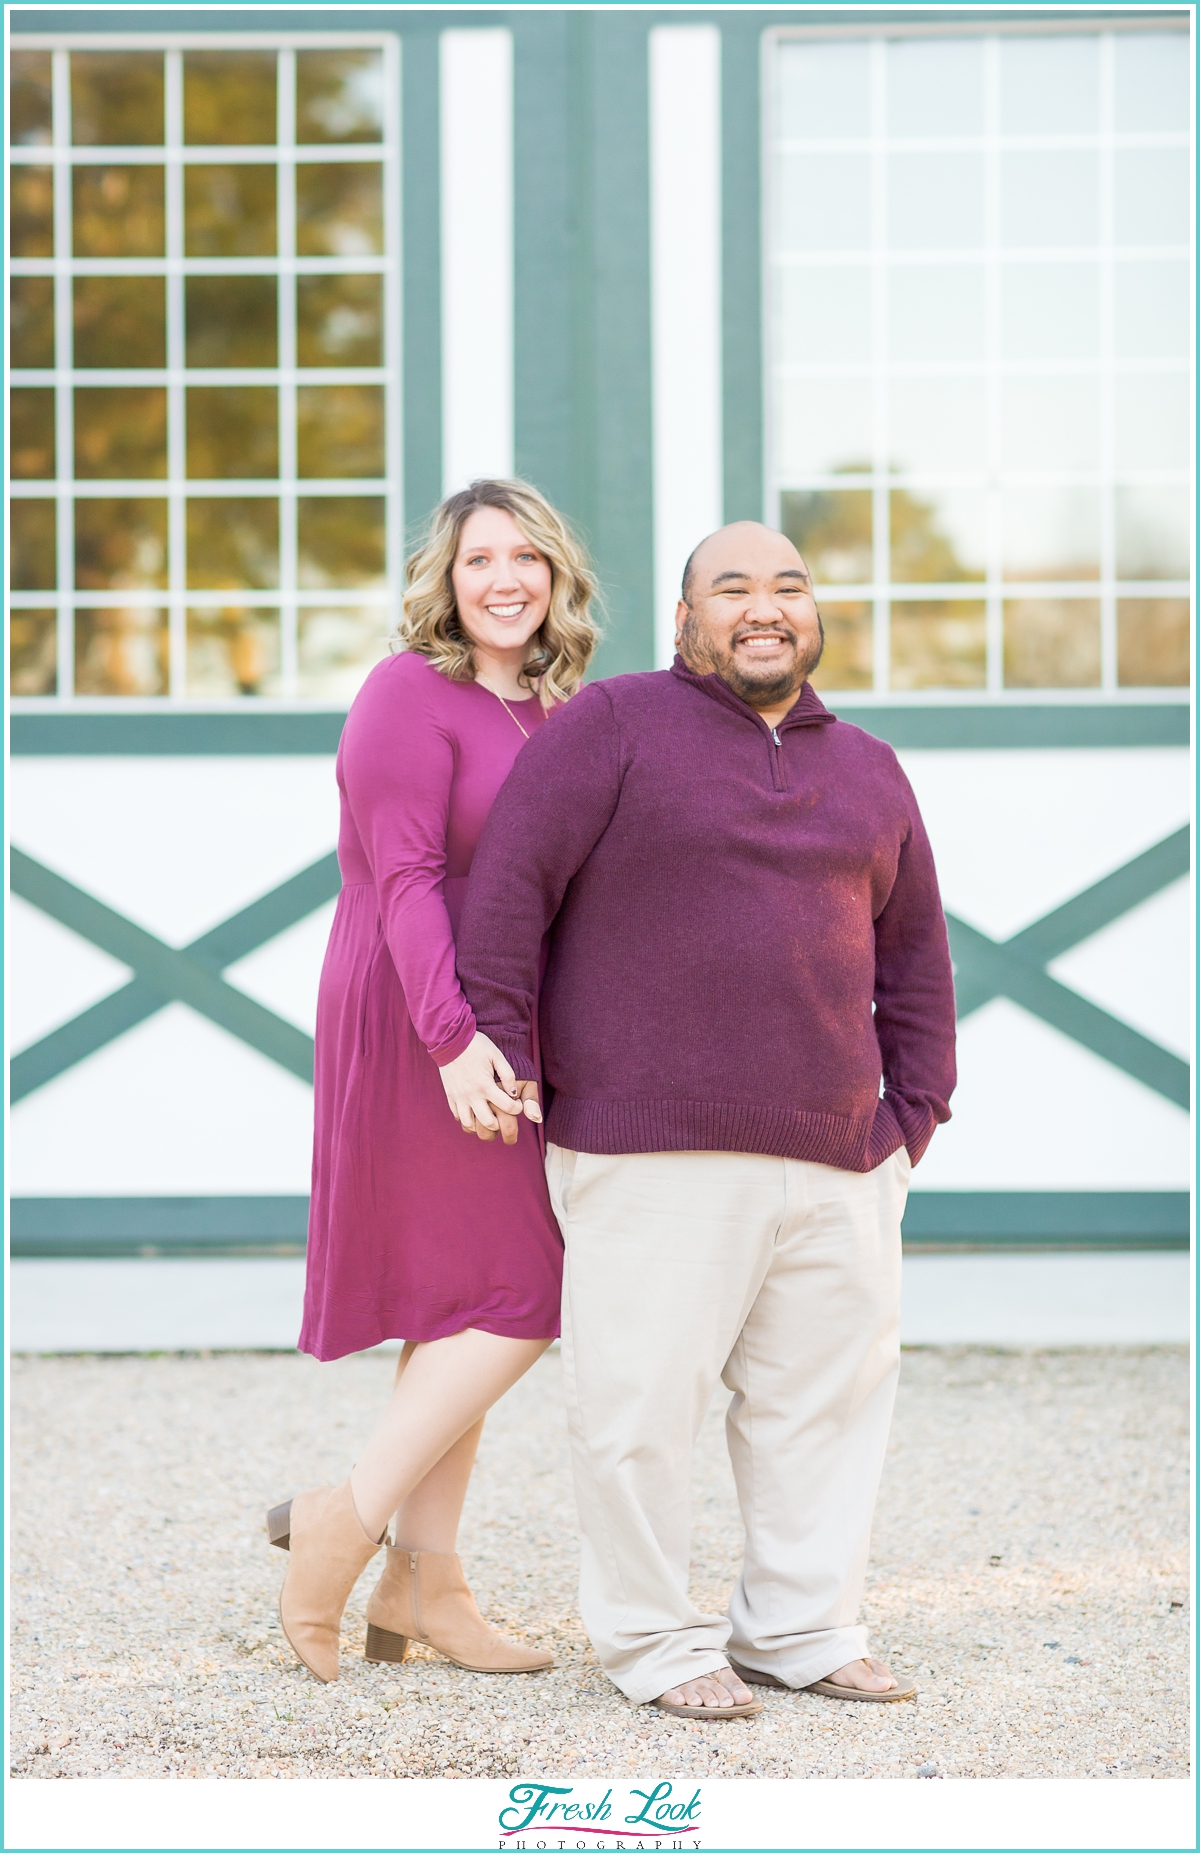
(782, 1279)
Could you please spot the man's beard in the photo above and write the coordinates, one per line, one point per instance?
(758, 691)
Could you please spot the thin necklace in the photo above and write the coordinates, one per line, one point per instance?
(512, 717)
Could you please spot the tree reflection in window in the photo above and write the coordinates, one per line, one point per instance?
(241, 319)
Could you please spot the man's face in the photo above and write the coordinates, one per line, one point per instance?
(750, 616)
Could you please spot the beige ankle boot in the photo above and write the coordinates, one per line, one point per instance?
(423, 1596)
(328, 1550)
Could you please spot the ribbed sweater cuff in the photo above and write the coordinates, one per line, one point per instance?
(916, 1122)
(518, 1055)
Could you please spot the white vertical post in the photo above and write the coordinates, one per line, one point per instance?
(64, 395)
(285, 234)
(1108, 511)
(995, 358)
(881, 461)
(176, 400)
(393, 329)
(477, 255)
(685, 296)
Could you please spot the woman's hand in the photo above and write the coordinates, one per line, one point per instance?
(484, 1094)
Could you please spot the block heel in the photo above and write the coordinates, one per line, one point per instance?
(423, 1596)
(279, 1525)
(383, 1645)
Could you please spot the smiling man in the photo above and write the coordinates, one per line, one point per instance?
(745, 942)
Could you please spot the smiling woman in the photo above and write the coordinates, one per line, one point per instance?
(432, 623)
(412, 1235)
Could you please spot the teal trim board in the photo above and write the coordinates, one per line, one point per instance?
(1014, 1219)
(549, 232)
(965, 726)
(962, 727)
(64, 1228)
(614, 79)
(741, 269)
(261, 734)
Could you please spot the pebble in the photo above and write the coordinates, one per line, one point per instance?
(1029, 1569)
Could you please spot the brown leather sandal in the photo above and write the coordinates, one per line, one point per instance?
(711, 1714)
(826, 1687)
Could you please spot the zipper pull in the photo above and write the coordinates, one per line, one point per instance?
(775, 736)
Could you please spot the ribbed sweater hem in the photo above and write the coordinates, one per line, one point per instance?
(614, 1127)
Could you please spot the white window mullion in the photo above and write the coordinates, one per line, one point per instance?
(393, 331)
(1108, 539)
(64, 407)
(994, 564)
(176, 402)
(880, 391)
(285, 221)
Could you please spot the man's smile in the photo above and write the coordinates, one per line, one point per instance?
(762, 640)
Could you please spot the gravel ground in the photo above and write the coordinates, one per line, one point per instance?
(1029, 1566)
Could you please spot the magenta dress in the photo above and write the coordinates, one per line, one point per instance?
(416, 1229)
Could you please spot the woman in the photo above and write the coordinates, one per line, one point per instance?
(416, 1232)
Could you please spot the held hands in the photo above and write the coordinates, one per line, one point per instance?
(484, 1094)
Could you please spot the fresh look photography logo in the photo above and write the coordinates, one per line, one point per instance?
(544, 1814)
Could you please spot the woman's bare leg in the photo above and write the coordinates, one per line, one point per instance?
(443, 1390)
(428, 1519)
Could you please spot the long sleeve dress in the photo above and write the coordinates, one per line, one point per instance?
(417, 1230)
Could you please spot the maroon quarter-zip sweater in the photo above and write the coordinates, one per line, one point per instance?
(744, 929)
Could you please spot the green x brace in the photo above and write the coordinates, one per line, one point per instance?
(167, 974)
(984, 968)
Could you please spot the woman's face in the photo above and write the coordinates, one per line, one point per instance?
(501, 583)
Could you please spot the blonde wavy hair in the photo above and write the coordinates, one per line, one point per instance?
(429, 621)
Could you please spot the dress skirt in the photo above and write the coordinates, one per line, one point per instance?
(417, 1229)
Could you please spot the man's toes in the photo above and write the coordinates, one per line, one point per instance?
(709, 1693)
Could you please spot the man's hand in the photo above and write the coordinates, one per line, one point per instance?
(484, 1094)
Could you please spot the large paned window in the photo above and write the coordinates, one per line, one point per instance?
(203, 353)
(978, 336)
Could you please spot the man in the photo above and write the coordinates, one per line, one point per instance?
(744, 935)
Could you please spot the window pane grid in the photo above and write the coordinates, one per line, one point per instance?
(869, 223)
(122, 583)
